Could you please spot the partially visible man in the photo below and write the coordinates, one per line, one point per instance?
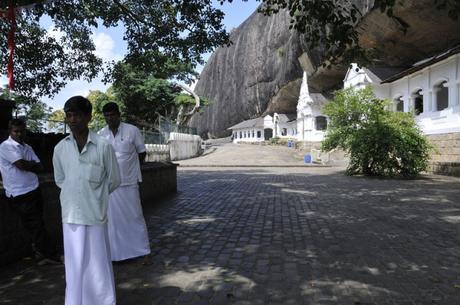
(86, 171)
(18, 166)
(127, 229)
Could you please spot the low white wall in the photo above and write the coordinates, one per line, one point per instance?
(157, 153)
(184, 146)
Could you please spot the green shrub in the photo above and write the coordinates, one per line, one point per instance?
(379, 142)
(274, 141)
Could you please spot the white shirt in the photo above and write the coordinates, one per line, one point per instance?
(128, 144)
(16, 181)
(86, 178)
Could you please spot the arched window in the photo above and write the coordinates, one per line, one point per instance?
(253, 133)
(320, 122)
(241, 135)
(399, 104)
(259, 134)
(418, 101)
(442, 96)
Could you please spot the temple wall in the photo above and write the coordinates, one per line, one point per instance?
(445, 158)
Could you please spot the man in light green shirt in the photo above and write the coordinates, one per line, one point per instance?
(86, 171)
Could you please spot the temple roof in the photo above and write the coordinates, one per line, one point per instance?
(422, 64)
(257, 122)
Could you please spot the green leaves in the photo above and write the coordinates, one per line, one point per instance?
(379, 142)
(158, 33)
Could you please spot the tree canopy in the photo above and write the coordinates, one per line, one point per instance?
(156, 32)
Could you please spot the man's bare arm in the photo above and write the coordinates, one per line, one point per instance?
(142, 157)
(30, 166)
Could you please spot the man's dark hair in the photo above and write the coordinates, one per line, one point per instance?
(78, 104)
(110, 106)
(16, 123)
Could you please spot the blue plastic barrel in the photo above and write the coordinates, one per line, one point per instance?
(307, 159)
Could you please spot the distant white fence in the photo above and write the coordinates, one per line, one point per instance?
(180, 146)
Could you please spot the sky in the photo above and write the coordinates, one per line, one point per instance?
(110, 46)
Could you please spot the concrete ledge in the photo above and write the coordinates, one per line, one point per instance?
(159, 180)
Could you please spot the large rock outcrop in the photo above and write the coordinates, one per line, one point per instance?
(240, 80)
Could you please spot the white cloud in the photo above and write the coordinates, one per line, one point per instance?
(104, 43)
(105, 46)
(77, 87)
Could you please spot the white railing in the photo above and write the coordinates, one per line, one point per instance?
(157, 153)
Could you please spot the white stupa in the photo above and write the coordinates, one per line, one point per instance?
(309, 116)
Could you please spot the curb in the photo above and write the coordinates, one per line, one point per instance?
(254, 165)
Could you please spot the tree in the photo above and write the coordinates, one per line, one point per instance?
(379, 142)
(56, 121)
(98, 99)
(178, 31)
(145, 97)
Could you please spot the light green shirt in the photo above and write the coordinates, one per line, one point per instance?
(85, 179)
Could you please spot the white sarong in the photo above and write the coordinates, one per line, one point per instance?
(88, 269)
(128, 235)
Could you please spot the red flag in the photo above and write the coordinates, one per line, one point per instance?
(11, 46)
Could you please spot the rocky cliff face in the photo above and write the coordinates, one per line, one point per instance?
(241, 80)
(260, 72)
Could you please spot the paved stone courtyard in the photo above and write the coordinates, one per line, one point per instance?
(284, 236)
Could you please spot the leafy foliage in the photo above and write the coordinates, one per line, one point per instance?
(98, 99)
(157, 32)
(56, 121)
(145, 94)
(380, 142)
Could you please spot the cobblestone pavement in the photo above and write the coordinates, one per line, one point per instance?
(284, 236)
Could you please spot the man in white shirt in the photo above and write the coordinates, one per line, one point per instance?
(86, 171)
(128, 234)
(18, 166)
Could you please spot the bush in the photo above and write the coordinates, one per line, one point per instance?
(379, 142)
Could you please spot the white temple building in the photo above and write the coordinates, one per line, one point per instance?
(430, 89)
(308, 124)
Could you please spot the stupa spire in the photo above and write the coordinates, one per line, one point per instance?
(304, 96)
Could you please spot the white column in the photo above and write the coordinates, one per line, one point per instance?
(433, 100)
(408, 103)
(452, 87)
